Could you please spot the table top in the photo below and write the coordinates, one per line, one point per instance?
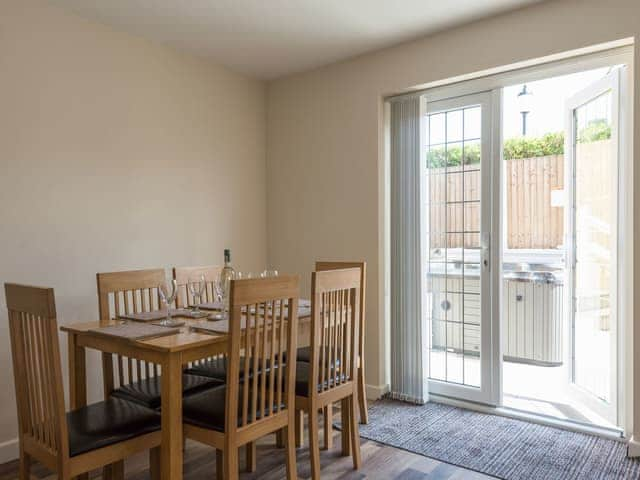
(184, 340)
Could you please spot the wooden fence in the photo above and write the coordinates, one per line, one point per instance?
(531, 220)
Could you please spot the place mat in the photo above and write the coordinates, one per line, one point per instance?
(135, 331)
(211, 306)
(302, 302)
(155, 315)
(216, 325)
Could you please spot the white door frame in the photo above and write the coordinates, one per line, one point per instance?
(617, 53)
(488, 393)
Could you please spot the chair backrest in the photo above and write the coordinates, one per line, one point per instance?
(335, 328)
(183, 274)
(263, 324)
(36, 365)
(127, 292)
(322, 266)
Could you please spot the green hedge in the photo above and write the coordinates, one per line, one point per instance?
(522, 147)
(595, 131)
(453, 156)
(516, 148)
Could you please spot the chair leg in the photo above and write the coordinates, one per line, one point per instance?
(230, 464)
(154, 463)
(290, 443)
(299, 428)
(345, 421)
(327, 415)
(24, 468)
(219, 465)
(354, 432)
(314, 443)
(250, 456)
(114, 471)
(362, 397)
(117, 470)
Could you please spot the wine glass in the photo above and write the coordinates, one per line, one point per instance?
(167, 297)
(269, 274)
(197, 285)
(218, 290)
(219, 293)
(243, 275)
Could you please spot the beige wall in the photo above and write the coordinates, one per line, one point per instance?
(325, 146)
(117, 154)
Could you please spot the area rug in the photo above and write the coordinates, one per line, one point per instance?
(494, 445)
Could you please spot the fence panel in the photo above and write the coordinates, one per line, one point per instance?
(531, 220)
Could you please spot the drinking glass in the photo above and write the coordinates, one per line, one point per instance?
(219, 293)
(243, 275)
(269, 273)
(197, 285)
(167, 297)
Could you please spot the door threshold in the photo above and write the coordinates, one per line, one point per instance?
(571, 425)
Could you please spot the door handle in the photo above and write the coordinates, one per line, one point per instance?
(485, 250)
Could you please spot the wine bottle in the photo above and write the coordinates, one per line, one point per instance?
(226, 275)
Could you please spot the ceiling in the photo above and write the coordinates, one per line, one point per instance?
(272, 38)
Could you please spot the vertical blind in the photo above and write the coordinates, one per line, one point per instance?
(408, 329)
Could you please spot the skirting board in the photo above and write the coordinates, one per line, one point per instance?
(9, 450)
(633, 447)
(374, 392)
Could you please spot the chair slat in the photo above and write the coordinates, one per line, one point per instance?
(272, 358)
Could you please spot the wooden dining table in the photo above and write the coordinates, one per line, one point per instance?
(172, 353)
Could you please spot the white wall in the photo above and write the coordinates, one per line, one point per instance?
(325, 135)
(116, 154)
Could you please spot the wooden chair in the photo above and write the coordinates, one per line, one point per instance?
(331, 373)
(248, 408)
(71, 443)
(182, 275)
(304, 355)
(129, 378)
(216, 366)
(362, 394)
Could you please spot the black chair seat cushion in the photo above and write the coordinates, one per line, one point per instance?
(207, 409)
(147, 392)
(304, 355)
(216, 368)
(105, 423)
(303, 370)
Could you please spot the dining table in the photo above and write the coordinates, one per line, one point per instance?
(172, 353)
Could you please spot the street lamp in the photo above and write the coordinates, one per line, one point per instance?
(524, 100)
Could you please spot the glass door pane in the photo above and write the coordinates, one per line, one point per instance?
(594, 161)
(457, 154)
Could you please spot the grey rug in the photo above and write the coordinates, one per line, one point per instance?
(503, 447)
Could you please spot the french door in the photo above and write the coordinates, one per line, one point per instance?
(459, 169)
(592, 223)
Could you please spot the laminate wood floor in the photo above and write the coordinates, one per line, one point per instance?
(378, 462)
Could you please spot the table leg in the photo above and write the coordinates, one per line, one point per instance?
(77, 379)
(77, 373)
(171, 460)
